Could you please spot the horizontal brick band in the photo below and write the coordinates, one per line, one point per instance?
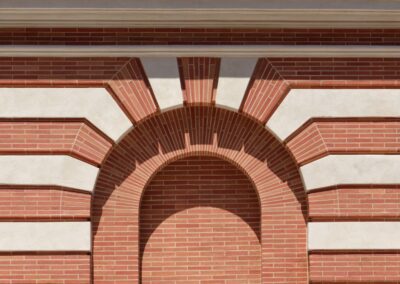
(27, 203)
(195, 36)
(352, 203)
(44, 268)
(359, 135)
(77, 139)
(337, 267)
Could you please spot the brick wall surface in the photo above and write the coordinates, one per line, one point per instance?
(159, 138)
(42, 203)
(367, 135)
(98, 36)
(60, 71)
(341, 267)
(77, 139)
(35, 268)
(358, 203)
(199, 222)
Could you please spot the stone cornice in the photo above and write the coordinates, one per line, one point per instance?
(203, 13)
(200, 50)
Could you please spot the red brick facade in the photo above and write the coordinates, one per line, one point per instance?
(199, 193)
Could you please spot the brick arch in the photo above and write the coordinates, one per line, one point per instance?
(183, 132)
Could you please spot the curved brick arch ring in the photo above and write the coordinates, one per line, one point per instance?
(189, 131)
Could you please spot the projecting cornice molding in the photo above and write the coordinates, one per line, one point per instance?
(199, 50)
(202, 13)
(204, 18)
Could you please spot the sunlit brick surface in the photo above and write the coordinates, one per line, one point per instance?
(44, 268)
(355, 267)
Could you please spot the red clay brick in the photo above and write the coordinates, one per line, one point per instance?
(195, 36)
(320, 138)
(28, 203)
(131, 87)
(359, 203)
(199, 77)
(77, 139)
(379, 267)
(34, 268)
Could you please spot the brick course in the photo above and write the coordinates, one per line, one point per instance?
(42, 203)
(358, 203)
(35, 268)
(363, 136)
(342, 267)
(78, 139)
(146, 36)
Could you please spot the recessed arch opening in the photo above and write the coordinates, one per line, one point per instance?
(200, 220)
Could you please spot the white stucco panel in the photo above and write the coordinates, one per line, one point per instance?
(302, 104)
(57, 170)
(353, 235)
(94, 104)
(351, 169)
(45, 236)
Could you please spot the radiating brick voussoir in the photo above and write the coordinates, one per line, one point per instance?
(132, 90)
(199, 77)
(266, 90)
